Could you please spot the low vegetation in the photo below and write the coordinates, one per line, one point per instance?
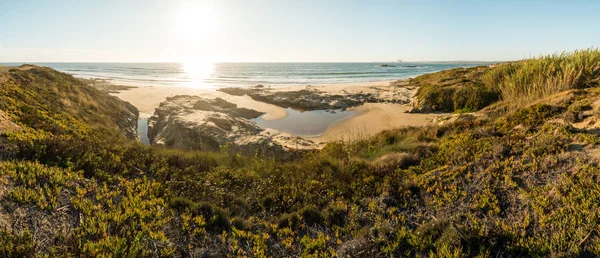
(458, 90)
(528, 80)
(519, 83)
(524, 184)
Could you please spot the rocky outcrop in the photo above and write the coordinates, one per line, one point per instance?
(127, 120)
(303, 100)
(193, 122)
(327, 98)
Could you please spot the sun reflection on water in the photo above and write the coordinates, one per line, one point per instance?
(198, 72)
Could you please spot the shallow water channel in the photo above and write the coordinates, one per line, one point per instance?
(142, 129)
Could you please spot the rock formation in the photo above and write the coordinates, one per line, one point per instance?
(193, 122)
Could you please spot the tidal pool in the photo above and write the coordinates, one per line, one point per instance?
(307, 123)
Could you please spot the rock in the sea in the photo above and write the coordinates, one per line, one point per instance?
(197, 123)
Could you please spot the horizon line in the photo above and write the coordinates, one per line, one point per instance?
(256, 62)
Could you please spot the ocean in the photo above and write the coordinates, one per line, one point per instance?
(250, 74)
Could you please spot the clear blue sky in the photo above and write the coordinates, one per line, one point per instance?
(294, 30)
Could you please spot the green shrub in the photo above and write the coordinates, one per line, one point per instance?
(311, 215)
(17, 245)
(267, 203)
(217, 218)
(36, 183)
(182, 203)
(438, 99)
(531, 116)
(472, 98)
(240, 223)
(238, 207)
(289, 220)
(456, 90)
(336, 214)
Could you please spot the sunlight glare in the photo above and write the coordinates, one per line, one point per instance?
(197, 71)
(197, 31)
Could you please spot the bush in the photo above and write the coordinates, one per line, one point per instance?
(472, 98)
(240, 223)
(267, 203)
(437, 98)
(238, 207)
(216, 217)
(336, 214)
(289, 220)
(531, 116)
(14, 245)
(182, 203)
(455, 90)
(311, 215)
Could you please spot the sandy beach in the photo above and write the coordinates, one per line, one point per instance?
(370, 118)
(147, 98)
(373, 118)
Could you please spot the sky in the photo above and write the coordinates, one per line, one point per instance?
(292, 30)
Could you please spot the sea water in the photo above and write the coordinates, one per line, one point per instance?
(249, 74)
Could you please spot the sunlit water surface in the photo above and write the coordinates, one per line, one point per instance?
(218, 75)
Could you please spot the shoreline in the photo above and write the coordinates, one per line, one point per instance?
(369, 118)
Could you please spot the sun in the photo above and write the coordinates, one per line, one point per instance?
(197, 30)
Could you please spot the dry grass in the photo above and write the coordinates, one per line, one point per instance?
(525, 81)
(517, 83)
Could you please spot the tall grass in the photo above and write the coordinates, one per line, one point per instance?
(528, 80)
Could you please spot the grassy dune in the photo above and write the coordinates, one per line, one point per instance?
(517, 83)
(528, 80)
(524, 184)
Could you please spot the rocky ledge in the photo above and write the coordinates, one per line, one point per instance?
(318, 98)
(194, 122)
